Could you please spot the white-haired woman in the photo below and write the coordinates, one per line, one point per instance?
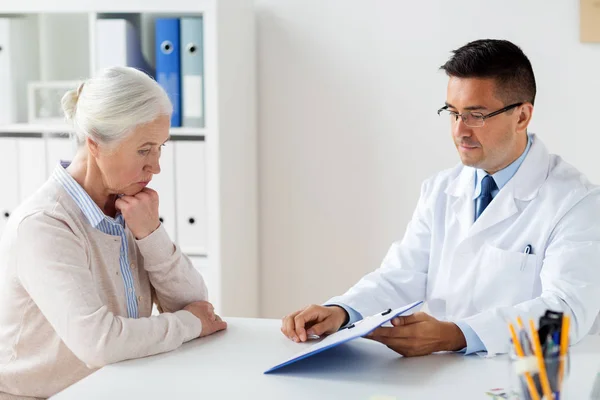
(83, 260)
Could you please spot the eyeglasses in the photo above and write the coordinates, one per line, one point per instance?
(474, 119)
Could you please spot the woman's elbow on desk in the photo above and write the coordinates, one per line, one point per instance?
(114, 339)
(98, 347)
(93, 356)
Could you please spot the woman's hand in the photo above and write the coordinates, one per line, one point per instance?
(205, 312)
(140, 212)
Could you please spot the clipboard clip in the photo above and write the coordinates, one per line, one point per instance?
(389, 310)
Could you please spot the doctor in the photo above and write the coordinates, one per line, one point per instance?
(512, 230)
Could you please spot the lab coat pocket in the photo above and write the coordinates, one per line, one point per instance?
(504, 278)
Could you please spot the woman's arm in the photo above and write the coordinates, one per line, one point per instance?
(176, 282)
(54, 269)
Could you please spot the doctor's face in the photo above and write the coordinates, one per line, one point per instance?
(502, 138)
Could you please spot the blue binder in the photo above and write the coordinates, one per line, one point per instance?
(168, 71)
(192, 72)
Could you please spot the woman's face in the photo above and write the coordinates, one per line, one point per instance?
(129, 167)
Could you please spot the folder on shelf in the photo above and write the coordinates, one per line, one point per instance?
(118, 43)
(19, 64)
(192, 72)
(168, 63)
(9, 199)
(31, 165)
(361, 328)
(190, 197)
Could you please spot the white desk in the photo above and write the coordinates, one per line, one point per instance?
(230, 365)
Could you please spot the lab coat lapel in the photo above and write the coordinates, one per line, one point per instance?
(524, 185)
(502, 207)
(461, 202)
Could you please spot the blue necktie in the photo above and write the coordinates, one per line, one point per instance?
(485, 198)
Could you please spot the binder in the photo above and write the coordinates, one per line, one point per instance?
(192, 72)
(190, 185)
(168, 63)
(118, 44)
(361, 328)
(19, 64)
(164, 184)
(58, 149)
(31, 166)
(9, 197)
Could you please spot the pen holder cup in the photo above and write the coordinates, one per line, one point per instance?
(526, 377)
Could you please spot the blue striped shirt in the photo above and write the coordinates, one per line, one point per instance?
(105, 224)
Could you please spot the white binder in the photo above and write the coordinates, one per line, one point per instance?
(31, 166)
(164, 184)
(58, 149)
(118, 44)
(9, 195)
(19, 64)
(190, 185)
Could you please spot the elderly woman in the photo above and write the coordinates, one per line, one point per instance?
(83, 260)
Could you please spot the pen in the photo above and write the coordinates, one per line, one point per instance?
(528, 250)
(532, 390)
(550, 351)
(564, 344)
(556, 339)
(525, 342)
(537, 348)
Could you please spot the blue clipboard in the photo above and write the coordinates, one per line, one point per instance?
(360, 329)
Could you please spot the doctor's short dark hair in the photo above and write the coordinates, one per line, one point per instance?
(498, 59)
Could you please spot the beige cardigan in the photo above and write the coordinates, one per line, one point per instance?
(63, 309)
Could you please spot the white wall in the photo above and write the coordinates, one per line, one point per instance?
(348, 92)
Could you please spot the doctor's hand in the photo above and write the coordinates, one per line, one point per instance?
(313, 320)
(420, 334)
(140, 212)
(205, 312)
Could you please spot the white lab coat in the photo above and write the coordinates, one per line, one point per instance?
(478, 272)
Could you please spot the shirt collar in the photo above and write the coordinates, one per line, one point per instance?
(501, 177)
(92, 212)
